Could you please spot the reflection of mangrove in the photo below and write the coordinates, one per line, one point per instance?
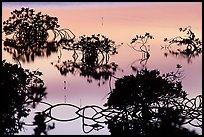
(188, 47)
(144, 49)
(96, 71)
(142, 61)
(29, 33)
(26, 53)
(21, 89)
(95, 52)
(145, 104)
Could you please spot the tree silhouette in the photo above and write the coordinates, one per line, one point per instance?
(95, 52)
(95, 45)
(142, 40)
(188, 46)
(143, 48)
(29, 34)
(22, 89)
(150, 104)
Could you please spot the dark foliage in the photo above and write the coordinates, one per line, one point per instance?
(142, 39)
(27, 54)
(95, 45)
(143, 104)
(29, 29)
(150, 104)
(21, 89)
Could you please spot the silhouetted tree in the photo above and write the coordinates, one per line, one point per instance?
(21, 89)
(29, 34)
(95, 45)
(142, 40)
(189, 46)
(149, 104)
(95, 51)
(143, 48)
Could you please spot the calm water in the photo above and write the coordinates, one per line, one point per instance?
(119, 22)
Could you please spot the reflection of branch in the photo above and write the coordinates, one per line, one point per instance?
(142, 61)
(109, 83)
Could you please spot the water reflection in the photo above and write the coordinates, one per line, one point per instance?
(148, 103)
(41, 126)
(188, 46)
(94, 63)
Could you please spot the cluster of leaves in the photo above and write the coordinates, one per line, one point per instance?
(150, 104)
(190, 41)
(193, 45)
(22, 89)
(142, 39)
